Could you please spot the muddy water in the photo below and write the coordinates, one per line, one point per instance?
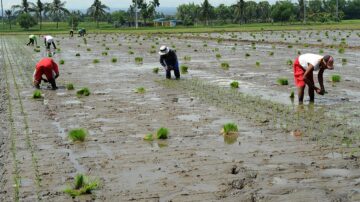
(196, 163)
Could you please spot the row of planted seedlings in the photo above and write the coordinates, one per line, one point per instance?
(313, 124)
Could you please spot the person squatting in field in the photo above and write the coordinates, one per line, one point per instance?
(304, 66)
(48, 40)
(169, 61)
(82, 32)
(32, 40)
(46, 67)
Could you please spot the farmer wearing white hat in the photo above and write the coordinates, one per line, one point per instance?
(304, 66)
(169, 61)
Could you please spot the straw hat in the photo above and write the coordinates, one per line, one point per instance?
(164, 50)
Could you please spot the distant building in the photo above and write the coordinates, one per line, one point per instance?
(163, 22)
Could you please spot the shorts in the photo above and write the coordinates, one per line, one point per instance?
(298, 74)
(38, 75)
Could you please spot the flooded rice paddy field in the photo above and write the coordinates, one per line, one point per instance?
(280, 154)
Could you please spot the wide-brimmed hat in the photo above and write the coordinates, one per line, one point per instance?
(329, 60)
(164, 50)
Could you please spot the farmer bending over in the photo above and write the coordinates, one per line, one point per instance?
(169, 61)
(32, 40)
(48, 40)
(71, 33)
(304, 66)
(48, 67)
(82, 32)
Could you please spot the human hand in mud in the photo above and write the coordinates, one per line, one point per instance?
(320, 91)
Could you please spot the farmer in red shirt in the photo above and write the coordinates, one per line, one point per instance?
(304, 66)
(48, 67)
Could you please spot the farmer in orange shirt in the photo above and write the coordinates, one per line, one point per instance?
(48, 67)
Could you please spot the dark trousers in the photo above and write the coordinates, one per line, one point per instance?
(49, 44)
(31, 42)
(176, 72)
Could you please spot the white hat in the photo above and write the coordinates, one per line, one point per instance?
(164, 50)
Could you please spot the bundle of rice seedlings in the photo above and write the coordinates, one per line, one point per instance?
(82, 185)
(77, 135)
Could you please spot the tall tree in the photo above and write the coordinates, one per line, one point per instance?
(240, 10)
(56, 9)
(207, 11)
(39, 8)
(24, 7)
(223, 13)
(264, 11)
(97, 10)
(188, 13)
(9, 16)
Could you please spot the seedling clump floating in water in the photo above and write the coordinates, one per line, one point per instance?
(292, 94)
(187, 58)
(218, 56)
(104, 53)
(257, 64)
(184, 69)
(162, 133)
(155, 70)
(78, 134)
(289, 62)
(229, 129)
(113, 60)
(138, 60)
(37, 94)
(82, 185)
(335, 78)
(225, 66)
(62, 62)
(83, 92)
(95, 61)
(282, 81)
(70, 86)
(140, 90)
(234, 84)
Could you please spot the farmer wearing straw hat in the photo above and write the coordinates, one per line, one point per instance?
(32, 40)
(169, 61)
(48, 67)
(304, 66)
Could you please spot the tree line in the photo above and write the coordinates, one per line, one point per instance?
(28, 14)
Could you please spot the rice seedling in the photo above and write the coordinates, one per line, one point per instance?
(205, 45)
(218, 56)
(113, 60)
(290, 46)
(162, 133)
(70, 86)
(77, 54)
(229, 128)
(283, 81)
(289, 62)
(344, 61)
(139, 60)
(152, 51)
(341, 50)
(155, 70)
(184, 69)
(292, 94)
(257, 63)
(82, 185)
(83, 92)
(271, 53)
(216, 49)
(131, 52)
(140, 90)
(62, 62)
(247, 54)
(234, 84)
(187, 58)
(299, 52)
(95, 61)
(225, 66)
(335, 78)
(104, 53)
(77, 135)
(321, 51)
(189, 46)
(107, 48)
(37, 94)
(149, 137)
(88, 49)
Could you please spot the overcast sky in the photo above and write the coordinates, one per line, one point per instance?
(84, 4)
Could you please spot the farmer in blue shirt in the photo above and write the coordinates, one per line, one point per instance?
(169, 61)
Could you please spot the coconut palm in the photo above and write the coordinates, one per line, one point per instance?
(24, 7)
(207, 11)
(57, 10)
(240, 10)
(9, 15)
(97, 10)
(39, 8)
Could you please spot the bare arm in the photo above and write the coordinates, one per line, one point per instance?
(321, 79)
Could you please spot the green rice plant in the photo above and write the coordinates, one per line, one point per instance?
(306, 45)
(321, 51)
(149, 137)
(299, 52)
(257, 63)
(335, 78)
(283, 81)
(50, 55)
(155, 70)
(139, 60)
(131, 52)
(292, 94)
(70, 86)
(216, 49)
(187, 58)
(37, 50)
(113, 60)
(152, 51)
(153, 47)
(37, 94)
(62, 62)
(184, 69)
(205, 45)
(104, 53)
(83, 92)
(107, 48)
(58, 50)
(218, 56)
(82, 185)
(341, 50)
(290, 46)
(344, 61)
(140, 90)
(77, 54)
(225, 65)
(162, 133)
(77, 135)
(229, 128)
(37, 46)
(289, 62)
(95, 61)
(247, 54)
(271, 53)
(234, 84)
(88, 49)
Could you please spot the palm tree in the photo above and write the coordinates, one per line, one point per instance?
(97, 10)
(239, 10)
(39, 8)
(2, 13)
(24, 7)
(206, 11)
(9, 15)
(56, 9)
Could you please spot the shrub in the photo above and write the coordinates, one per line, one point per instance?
(162, 133)
(83, 92)
(234, 84)
(184, 69)
(155, 70)
(225, 65)
(82, 185)
(95, 61)
(140, 90)
(70, 86)
(113, 60)
(229, 128)
(139, 60)
(335, 78)
(62, 62)
(37, 94)
(78, 134)
(282, 81)
(77, 55)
